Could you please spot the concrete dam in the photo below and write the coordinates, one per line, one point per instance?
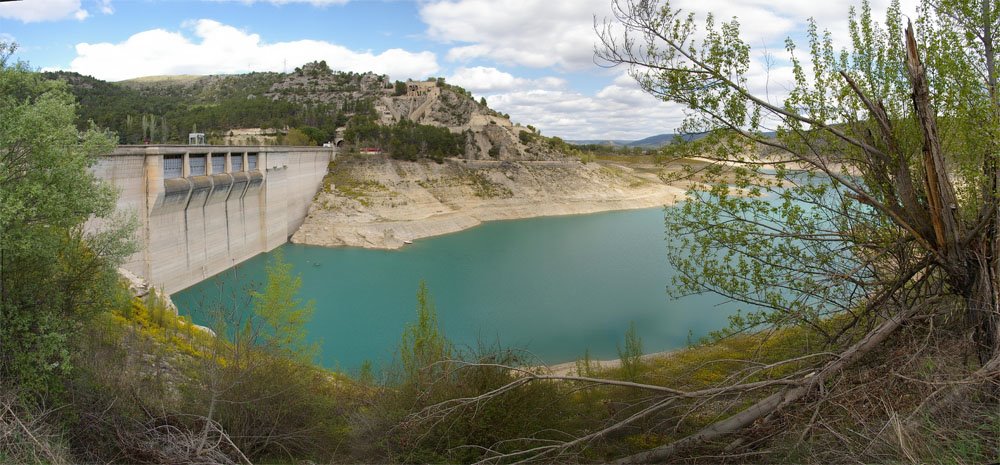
(203, 209)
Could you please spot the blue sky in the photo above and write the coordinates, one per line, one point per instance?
(529, 58)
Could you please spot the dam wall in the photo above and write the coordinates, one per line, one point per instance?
(204, 209)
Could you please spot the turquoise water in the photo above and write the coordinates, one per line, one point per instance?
(554, 287)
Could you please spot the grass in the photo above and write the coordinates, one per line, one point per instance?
(152, 319)
(711, 363)
(859, 415)
(626, 159)
(339, 177)
(485, 188)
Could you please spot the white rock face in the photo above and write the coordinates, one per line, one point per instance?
(390, 201)
(141, 288)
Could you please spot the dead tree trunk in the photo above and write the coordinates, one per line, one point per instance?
(969, 254)
(780, 399)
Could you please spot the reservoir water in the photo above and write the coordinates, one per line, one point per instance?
(554, 287)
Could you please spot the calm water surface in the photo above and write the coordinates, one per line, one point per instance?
(554, 287)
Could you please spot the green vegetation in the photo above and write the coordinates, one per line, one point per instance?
(631, 355)
(586, 152)
(299, 137)
(156, 389)
(485, 188)
(870, 274)
(163, 111)
(423, 345)
(53, 276)
(339, 177)
(282, 315)
(405, 140)
(881, 223)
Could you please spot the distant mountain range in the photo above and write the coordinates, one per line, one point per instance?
(651, 142)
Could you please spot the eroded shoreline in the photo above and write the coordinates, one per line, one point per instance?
(381, 203)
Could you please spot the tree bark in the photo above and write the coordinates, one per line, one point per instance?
(970, 255)
(940, 192)
(986, 316)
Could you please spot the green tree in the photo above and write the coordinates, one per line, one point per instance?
(282, 314)
(895, 199)
(53, 274)
(422, 344)
(258, 381)
(297, 136)
(315, 135)
(631, 356)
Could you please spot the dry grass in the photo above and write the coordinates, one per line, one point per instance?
(26, 436)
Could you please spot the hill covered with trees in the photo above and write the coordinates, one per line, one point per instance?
(310, 106)
(165, 109)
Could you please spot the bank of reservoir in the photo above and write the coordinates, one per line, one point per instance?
(554, 286)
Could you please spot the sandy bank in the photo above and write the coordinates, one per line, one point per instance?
(380, 203)
(570, 368)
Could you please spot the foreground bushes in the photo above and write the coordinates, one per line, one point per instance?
(150, 388)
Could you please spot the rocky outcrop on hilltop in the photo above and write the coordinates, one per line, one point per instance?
(316, 83)
(489, 135)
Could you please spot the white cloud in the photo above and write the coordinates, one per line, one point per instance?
(221, 48)
(536, 33)
(42, 10)
(480, 79)
(560, 35)
(764, 24)
(105, 6)
(573, 115)
(618, 111)
(319, 3)
(544, 33)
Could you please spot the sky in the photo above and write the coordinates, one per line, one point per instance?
(532, 59)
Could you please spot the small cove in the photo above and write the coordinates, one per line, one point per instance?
(554, 287)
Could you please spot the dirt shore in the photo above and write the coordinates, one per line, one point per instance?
(570, 368)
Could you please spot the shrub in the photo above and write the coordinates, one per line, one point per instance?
(631, 355)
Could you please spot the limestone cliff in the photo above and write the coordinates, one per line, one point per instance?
(489, 134)
(378, 202)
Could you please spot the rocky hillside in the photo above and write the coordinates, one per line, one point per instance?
(486, 133)
(379, 202)
(313, 102)
(163, 109)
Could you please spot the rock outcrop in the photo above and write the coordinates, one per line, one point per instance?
(141, 289)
